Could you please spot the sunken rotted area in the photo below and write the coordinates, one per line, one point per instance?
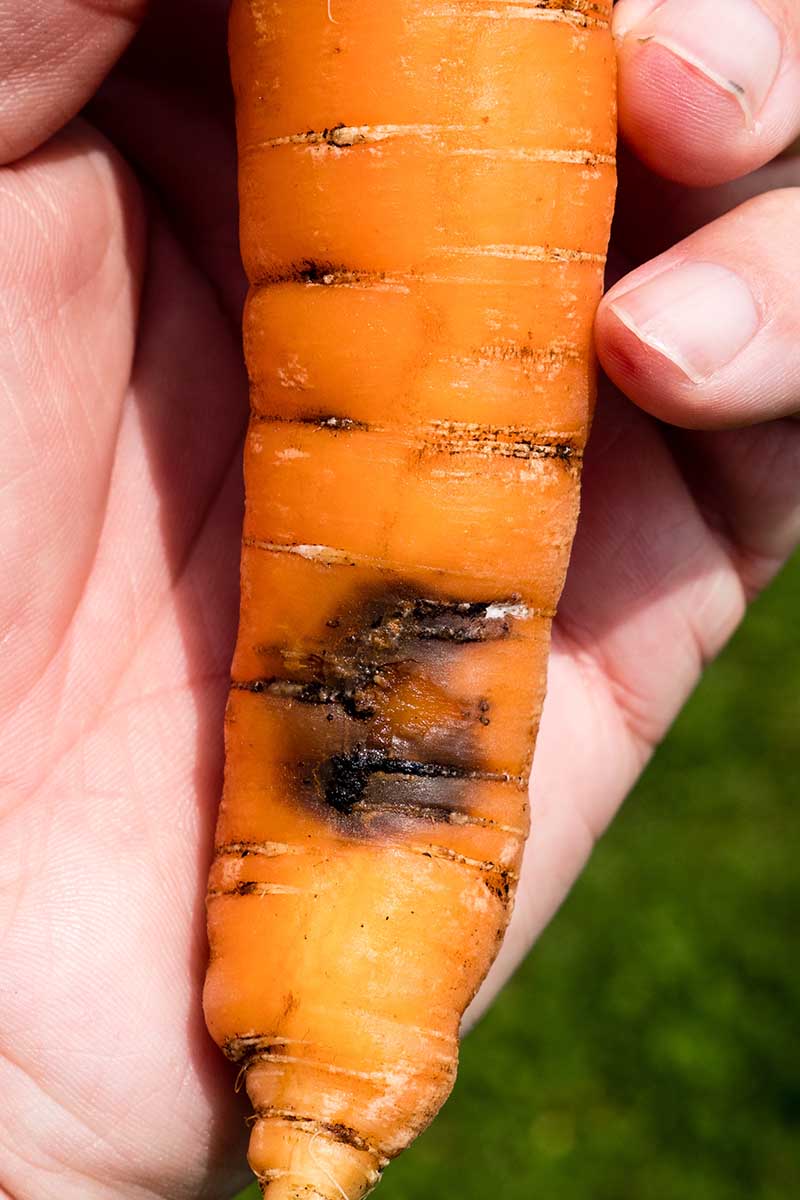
(384, 642)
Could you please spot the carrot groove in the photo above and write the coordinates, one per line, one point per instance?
(426, 191)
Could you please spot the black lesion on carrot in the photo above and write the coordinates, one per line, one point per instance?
(368, 654)
(321, 273)
(349, 696)
(344, 777)
(441, 621)
(396, 743)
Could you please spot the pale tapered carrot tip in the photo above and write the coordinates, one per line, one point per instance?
(312, 1161)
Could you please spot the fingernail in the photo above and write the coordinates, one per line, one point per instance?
(698, 315)
(734, 45)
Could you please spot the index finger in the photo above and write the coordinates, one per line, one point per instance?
(709, 89)
(53, 56)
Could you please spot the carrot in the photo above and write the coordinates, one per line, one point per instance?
(426, 192)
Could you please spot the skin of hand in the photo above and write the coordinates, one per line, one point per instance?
(123, 409)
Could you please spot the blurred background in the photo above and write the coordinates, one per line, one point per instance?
(649, 1048)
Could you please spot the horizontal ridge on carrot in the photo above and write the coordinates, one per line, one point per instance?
(426, 192)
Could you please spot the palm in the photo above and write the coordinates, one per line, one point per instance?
(120, 540)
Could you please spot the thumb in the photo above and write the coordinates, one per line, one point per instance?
(53, 56)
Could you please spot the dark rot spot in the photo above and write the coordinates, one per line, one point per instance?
(344, 776)
(370, 648)
(378, 669)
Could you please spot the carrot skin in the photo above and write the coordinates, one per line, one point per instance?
(426, 193)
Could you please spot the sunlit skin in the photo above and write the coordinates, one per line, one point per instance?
(123, 412)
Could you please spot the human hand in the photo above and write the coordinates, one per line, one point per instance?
(124, 402)
(120, 359)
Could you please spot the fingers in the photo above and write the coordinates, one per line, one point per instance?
(707, 335)
(709, 89)
(53, 55)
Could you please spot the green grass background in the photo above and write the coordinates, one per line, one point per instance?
(649, 1048)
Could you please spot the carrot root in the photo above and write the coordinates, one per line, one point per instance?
(426, 193)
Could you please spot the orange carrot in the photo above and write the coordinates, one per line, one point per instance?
(426, 191)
